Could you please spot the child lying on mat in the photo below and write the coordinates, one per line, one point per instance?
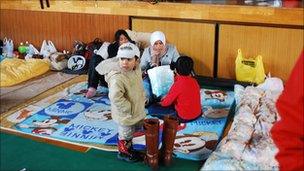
(127, 96)
(185, 91)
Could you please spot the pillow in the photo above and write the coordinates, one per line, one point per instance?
(142, 38)
(161, 79)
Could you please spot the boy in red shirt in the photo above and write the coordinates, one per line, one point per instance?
(185, 91)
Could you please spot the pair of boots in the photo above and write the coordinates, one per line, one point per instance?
(127, 153)
(151, 127)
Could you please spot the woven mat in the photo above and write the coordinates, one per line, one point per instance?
(18, 94)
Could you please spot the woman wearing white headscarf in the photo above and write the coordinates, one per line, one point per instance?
(158, 53)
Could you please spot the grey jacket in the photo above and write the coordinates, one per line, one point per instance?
(126, 92)
(171, 55)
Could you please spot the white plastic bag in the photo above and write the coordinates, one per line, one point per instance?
(272, 83)
(8, 47)
(161, 79)
(47, 48)
(273, 87)
(31, 51)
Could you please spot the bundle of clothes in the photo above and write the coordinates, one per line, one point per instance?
(75, 62)
(248, 145)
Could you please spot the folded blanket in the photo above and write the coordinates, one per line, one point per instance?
(14, 71)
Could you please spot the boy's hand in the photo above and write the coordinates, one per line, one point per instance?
(144, 74)
(146, 101)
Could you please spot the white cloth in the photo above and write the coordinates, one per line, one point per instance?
(103, 50)
(157, 35)
(128, 50)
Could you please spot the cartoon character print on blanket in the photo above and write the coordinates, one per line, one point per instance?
(75, 118)
(102, 114)
(50, 119)
(83, 132)
(77, 93)
(94, 125)
(195, 146)
(22, 114)
(43, 126)
(217, 98)
(210, 112)
(196, 143)
(198, 138)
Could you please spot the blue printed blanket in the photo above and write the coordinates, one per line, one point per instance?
(72, 117)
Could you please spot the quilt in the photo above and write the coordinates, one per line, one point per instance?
(69, 116)
(248, 145)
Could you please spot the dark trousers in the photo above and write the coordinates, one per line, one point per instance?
(158, 111)
(94, 78)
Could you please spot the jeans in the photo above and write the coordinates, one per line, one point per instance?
(126, 132)
(159, 111)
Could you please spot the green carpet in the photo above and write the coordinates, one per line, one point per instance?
(20, 153)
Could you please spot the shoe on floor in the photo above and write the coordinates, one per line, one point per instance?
(127, 153)
(91, 92)
(131, 158)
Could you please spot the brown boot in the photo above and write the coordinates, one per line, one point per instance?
(168, 138)
(151, 127)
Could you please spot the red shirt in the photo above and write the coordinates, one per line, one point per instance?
(288, 133)
(185, 95)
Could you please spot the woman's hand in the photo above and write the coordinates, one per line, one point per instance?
(155, 54)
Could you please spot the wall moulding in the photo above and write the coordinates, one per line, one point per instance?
(221, 13)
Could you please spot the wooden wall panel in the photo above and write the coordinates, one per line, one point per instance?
(61, 28)
(222, 11)
(279, 47)
(191, 38)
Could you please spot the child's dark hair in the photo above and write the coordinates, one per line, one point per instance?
(183, 65)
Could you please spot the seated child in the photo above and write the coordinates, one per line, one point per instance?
(185, 91)
(127, 96)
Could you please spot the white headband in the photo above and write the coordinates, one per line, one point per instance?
(157, 35)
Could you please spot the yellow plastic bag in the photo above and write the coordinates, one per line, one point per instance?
(249, 70)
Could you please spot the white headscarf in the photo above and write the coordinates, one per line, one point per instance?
(157, 35)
